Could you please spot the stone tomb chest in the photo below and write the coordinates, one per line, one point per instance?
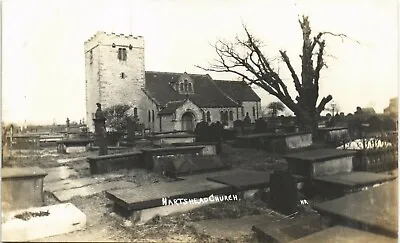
(333, 135)
(150, 155)
(171, 138)
(320, 162)
(69, 146)
(276, 142)
(22, 188)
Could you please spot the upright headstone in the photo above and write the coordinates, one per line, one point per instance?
(283, 196)
(100, 130)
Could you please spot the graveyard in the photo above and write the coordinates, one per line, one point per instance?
(251, 144)
(269, 186)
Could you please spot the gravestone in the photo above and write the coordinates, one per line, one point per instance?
(242, 180)
(283, 196)
(100, 130)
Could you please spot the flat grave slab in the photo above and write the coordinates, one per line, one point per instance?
(150, 196)
(205, 175)
(287, 230)
(232, 229)
(243, 180)
(55, 220)
(76, 183)
(89, 190)
(356, 179)
(320, 162)
(375, 208)
(145, 215)
(340, 234)
(59, 173)
(320, 155)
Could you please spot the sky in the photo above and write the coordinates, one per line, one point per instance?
(43, 78)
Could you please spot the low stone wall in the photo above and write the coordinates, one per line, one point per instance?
(22, 188)
(48, 141)
(25, 142)
(107, 163)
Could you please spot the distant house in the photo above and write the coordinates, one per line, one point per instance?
(162, 101)
(392, 109)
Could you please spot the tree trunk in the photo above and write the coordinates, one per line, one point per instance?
(308, 123)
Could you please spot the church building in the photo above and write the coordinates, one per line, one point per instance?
(163, 101)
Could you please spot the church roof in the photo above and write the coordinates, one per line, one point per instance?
(171, 106)
(238, 90)
(206, 92)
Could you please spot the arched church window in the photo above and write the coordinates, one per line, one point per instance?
(181, 86)
(186, 85)
(208, 116)
(231, 115)
(135, 112)
(190, 87)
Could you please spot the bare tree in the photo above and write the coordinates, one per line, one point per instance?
(245, 59)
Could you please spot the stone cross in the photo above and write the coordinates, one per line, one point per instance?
(100, 130)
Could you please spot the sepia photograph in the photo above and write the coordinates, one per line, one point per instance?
(200, 121)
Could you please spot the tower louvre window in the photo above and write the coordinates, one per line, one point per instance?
(208, 116)
(231, 115)
(91, 56)
(122, 54)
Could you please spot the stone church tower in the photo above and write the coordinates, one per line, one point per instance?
(115, 73)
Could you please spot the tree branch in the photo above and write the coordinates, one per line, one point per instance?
(322, 104)
(294, 75)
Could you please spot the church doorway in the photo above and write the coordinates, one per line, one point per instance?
(188, 121)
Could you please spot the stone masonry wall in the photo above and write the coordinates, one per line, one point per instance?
(103, 76)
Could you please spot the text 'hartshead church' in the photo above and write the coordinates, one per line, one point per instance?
(163, 101)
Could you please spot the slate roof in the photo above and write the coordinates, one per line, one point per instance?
(206, 91)
(171, 106)
(237, 90)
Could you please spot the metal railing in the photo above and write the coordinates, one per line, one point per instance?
(375, 152)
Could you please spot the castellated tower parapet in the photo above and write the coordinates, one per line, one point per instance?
(114, 72)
